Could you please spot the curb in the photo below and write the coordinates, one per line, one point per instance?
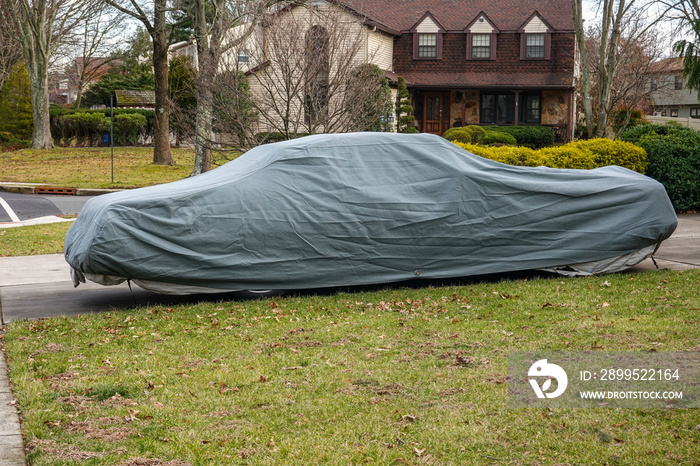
(32, 188)
(11, 442)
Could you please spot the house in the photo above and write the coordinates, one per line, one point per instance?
(466, 62)
(669, 94)
(501, 62)
(187, 48)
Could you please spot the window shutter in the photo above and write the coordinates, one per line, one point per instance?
(493, 46)
(547, 46)
(469, 46)
(439, 46)
(415, 45)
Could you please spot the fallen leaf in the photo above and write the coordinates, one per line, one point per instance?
(418, 452)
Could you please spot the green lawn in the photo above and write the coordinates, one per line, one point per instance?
(33, 240)
(400, 376)
(92, 167)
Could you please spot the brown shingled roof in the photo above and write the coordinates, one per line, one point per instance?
(455, 15)
(135, 98)
(486, 80)
(667, 65)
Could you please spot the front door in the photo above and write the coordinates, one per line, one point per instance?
(435, 112)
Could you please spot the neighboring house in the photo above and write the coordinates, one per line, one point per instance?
(668, 92)
(187, 48)
(85, 71)
(59, 91)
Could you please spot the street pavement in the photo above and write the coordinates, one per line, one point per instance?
(33, 287)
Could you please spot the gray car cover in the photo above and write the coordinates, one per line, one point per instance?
(351, 209)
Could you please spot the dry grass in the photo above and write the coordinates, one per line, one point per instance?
(401, 376)
(92, 167)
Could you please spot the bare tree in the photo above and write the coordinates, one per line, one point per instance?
(307, 75)
(153, 15)
(631, 19)
(10, 47)
(95, 46)
(213, 26)
(41, 25)
(640, 49)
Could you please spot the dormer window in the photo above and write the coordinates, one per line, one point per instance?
(534, 45)
(427, 38)
(481, 46)
(535, 39)
(481, 38)
(427, 45)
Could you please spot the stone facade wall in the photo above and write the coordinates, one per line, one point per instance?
(464, 108)
(554, 108)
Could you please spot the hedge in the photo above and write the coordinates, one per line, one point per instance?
(535, 137)
(674, 160)
(497, 138)
(581, 155)
(91, 127)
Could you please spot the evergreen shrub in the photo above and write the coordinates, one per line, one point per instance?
(572, 155)
(535, 137)
(458, 134)
(496, 138)
(674, 160)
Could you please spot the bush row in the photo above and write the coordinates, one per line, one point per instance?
(674, 160)
(91, 127)
(589, 154)
(9, 142)
(534, 137)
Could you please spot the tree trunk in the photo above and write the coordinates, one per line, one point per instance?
(39, 82)
(585, 69)
(608, 60)
(161, 136)
(203, 90)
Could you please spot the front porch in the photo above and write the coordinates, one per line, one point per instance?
(436, 110)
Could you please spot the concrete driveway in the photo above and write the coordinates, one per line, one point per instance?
(40, 286)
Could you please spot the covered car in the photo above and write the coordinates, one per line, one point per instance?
(365, 208)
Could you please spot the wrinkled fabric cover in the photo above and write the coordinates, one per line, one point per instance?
(362, 208)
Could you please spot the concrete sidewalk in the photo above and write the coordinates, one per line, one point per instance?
(34, 287)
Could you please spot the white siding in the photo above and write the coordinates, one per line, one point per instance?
(428, 26)
(380, 50)
(536, 25)
(481, 27)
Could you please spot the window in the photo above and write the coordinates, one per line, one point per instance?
(678, 83)
(654, 84)
(674, 113)
(532, 109)
(695, 112)
(497, 108)
(534, 45)
(427, 45)
(243, 56)
(481, 46)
